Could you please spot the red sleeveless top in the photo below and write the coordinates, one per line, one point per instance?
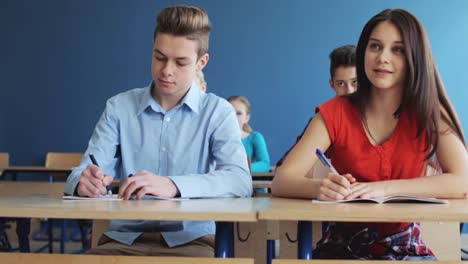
(402, 156)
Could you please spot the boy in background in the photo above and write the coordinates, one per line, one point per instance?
(343, 77)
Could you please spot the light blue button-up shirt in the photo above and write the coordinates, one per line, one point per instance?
(197, 144)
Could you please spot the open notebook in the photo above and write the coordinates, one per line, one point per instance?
(396, 198)
(114, 197)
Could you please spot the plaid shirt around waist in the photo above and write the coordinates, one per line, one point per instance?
(341, 242)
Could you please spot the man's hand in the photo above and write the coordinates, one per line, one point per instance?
(93, 182)
(145, 182)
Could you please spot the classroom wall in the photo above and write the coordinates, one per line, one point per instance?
(61, 60)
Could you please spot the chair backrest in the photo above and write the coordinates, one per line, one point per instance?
(4, 159)
(62, 160)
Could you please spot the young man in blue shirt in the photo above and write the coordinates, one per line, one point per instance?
(174, 139)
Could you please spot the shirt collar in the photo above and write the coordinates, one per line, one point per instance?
(146, 99)
(191, 99)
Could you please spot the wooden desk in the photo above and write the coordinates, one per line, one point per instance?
(28, 188)
(306, 211)
(223, 210)
(14, 170)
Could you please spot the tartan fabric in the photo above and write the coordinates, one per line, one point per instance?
(341, 242)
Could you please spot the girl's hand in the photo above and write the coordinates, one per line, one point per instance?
(336, 187)
(367, 190)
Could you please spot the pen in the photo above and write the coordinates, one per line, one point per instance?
(94, 161)
(327, 163)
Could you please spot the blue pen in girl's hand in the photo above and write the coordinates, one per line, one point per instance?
(325, 161)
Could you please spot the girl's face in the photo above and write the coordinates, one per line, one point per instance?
(385, 60)
(241, 112)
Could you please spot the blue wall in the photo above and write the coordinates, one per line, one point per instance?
(61, 60)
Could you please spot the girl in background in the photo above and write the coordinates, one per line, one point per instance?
(253, 141)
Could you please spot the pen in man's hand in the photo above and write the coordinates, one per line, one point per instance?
(94, 161)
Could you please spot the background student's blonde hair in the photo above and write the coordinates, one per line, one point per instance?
(246, 127)
(200, 78)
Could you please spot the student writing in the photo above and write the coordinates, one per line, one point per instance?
(176, 140)
(380, 139)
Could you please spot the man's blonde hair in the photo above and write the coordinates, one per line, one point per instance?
(188, 21)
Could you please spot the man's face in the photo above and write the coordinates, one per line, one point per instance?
(344, 80)
(174, 64)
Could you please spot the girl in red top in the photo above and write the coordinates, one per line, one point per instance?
(380, 140)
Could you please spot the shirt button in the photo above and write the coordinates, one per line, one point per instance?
(168, 119)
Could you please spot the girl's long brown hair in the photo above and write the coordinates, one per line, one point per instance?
(424, 90)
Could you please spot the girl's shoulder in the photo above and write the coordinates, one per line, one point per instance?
(255, 134)
(338, 109)
(337, 103)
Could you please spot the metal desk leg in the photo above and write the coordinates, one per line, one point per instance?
(304, 240)
(224, 240)
(51, 235)
(63, 235)
(270, 251)
(23, 228)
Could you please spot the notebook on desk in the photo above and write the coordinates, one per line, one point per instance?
(396, 198)
(114, 197)
(107, 197)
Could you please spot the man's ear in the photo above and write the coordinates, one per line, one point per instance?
(202, 61)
